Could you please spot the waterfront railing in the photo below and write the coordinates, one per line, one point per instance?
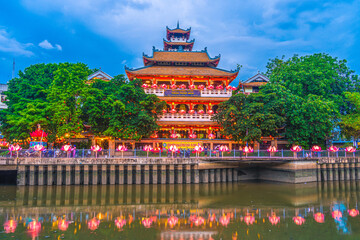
(182, 153)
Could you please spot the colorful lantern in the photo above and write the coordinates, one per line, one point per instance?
(224, 220)
(34, 228)
(272, 149)
(273, 219)
(212, 218)
(157, 150)
(182, 111)
(316, 148)
(15, 148)
(210, 87)
(147, 149)
(198, 149)
(353, 212)
(172, 111)
(319, 217)
(191, 111)
(63, 225)
(248, 149)
(296, 148)
(201, 111)
(201, 87)
(146, 222)
(182, 86)
(333, 149)
(210, 112)
(163, 86)
(66, 148)
(10, 226)
(173, 135)
(39, 147)
(336, 214)
(192, 135)
(154, 86)
(249, 219)
(173, 148)
(145, 86)
(119, 222)
(38, 134)
(93, 224)
(199, 221)
(211, 136)
(172, 221)
(4, 144)
(224, 148)
(350, 149)
(298, 220)
(96, 149)
(173, 86)
(164, 111)
(122, 149)
(192, 86)
(229, 88)
(154, 135)
(219, 87)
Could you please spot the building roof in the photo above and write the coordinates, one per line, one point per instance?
(100, 75)
(178, 30)
(176, 56)
(258, 78)
(180, 71)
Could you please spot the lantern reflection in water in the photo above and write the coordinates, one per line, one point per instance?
(336, 214)
(212, 218)
(10, 226)
(172, 221)
(93, 224)
(146, 222)
(273, 219)
(298, 220)
(319, 217)
(34, 228)
(249, 219)
(197, 220)
(120, 222)
(353, 212)
(224, 220)
(63, 225)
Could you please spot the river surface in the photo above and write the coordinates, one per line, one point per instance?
(178, 212)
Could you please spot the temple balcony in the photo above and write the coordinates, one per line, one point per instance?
(185, 117)
(203, 93)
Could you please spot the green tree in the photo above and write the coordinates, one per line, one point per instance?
(249, 117)
(350, 123)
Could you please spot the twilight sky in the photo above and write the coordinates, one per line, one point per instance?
(113, 33)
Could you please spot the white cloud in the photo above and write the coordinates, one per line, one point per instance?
(11, 45)
(47, 45)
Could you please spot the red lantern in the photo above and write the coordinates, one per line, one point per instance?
(274, 220)
(145, 86)
(272, 149)
(163, 86)
(296, 148)
(154, 86)
(173, 148)
(182, 111)
(164, 111)
(198, 149)
(172, 221)
(154, 135)
(211, 136)
(191, 111)
(298, 220)
(192, 86)
(219, 87)
(224, 220)
(172, 111)
(229, 88)
(201, 87)
(350, 149)
(173, 135)
(353, 212)
(210, 112)
(192, 136)
(210, 87)
(173, 86)
(122, 148)
(316, 148)
(147, 148)
(66, 148)
(223, 148)
(319, 217)
(333, 149)
(201, 111)
(248, 149)
(182, 86)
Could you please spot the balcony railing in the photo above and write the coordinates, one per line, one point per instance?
(185, 117)
(204, 93)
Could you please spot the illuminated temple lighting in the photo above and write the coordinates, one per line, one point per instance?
(66, 148)
(353, 212)
(296, 148)
(350, 149)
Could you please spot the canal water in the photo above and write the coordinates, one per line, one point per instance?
(248, 210)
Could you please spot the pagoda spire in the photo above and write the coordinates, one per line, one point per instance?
(178, 25)
(178, 39)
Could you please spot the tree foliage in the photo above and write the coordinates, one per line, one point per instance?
(350, 123)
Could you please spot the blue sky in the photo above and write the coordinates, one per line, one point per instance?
(113, 33)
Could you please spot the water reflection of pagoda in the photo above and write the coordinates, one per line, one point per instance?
(192, 86)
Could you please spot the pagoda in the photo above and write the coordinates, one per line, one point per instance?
(191, 85)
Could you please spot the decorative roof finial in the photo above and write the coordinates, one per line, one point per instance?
(178, 24)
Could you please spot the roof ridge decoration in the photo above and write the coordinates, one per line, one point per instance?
(258, 75)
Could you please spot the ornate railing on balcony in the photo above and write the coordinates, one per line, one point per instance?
(185, 117)
(204, 93)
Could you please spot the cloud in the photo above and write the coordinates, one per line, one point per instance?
(244, 32)
(47, 45)
(11, 45)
